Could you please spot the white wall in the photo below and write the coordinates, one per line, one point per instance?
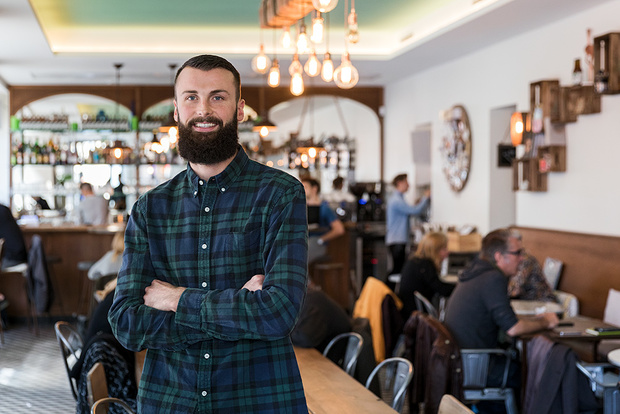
(585, 198)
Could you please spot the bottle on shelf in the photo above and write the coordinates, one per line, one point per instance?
(589, 58)
(577, 73)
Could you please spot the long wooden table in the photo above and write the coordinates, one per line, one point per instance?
(330, 390)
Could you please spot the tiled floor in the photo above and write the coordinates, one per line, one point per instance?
(32, 375)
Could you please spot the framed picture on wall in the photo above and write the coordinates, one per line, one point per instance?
(505, 154)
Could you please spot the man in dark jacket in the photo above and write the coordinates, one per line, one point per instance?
(479, 308)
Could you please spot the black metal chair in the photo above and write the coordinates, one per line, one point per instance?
(101, 406)
(393, 376)
(71, 345)
(348, 346)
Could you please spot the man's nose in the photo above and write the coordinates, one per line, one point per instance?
(203, 109)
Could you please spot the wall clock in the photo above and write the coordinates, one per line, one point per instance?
(456, 147)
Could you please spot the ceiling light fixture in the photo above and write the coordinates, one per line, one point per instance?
(353, 34)
(325, 6)
(313, 65)
(261, 62)
(317, 28)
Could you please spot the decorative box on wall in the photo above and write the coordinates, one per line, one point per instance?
(526, 175)
(585, 99)
(549, 98)
(607, 61)
(552, 158)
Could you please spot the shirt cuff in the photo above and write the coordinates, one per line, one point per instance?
(188, 309)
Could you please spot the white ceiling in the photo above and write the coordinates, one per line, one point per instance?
(390, 50)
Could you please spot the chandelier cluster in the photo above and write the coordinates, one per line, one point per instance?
(285, 15)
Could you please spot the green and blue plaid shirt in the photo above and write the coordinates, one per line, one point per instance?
(226, 349)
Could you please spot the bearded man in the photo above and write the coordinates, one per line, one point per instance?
(214, 268)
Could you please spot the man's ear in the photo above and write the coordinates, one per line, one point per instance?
(240, 110)
(176, 112)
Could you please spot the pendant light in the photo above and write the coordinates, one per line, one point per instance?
(303, 41)
(285, 39)
(346, 75)
(318, 24)
(297, 84)
(313, 65)
(353, 34)
(327, 71)
(325, 6)
(261, 62)
(273, 78)
(295, 66)
(263, 125)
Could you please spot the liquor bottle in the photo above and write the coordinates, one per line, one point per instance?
(577, 74)
(601, 79)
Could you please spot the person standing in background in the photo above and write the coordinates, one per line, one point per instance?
(338, 193)
(214, 271)
(397, 220)
(93, 209)
(323, 224)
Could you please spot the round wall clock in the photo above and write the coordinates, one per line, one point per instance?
(456, 147)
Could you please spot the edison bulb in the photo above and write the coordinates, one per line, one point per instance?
(313, 65)
(297, 84)
(346, 75)
(325, 6)
(273, 79)
(317, 29)
(353, 34)
(327, 72)
(261, 62)
(263, 132)
(296, 66)
(285, 38)
(303, 42)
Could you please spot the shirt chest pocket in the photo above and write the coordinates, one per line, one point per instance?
(245, 247)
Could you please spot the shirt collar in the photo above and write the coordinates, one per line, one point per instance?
(224, 179)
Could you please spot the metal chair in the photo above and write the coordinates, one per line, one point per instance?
(71, 345)
(605, 383)
(424, 305)
(104, 403)
(451, 405)
(393, 376)
(475, 373)
(347, 360)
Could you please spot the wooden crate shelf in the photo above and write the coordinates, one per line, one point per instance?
(549, 98)
(552, 158)
(612, 59)
(530, 174)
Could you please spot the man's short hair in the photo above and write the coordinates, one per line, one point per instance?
(86, 186)
(398, 179)
(497, 241)
(209, 62)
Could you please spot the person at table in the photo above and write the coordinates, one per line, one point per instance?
(323, 225)
(529, 283)
(214, 271)
(397, 221)
(93, 209)
(479, 308)
(14, 249)
(421, 272)
(110, 262)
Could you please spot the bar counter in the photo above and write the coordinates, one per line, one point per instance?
(65, 245)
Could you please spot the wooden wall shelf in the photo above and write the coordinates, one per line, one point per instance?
(612, 60)
(552, 158)
(527, 177)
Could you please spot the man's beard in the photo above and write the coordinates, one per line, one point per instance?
(208, 147)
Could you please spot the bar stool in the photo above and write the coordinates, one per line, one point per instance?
(86, 293)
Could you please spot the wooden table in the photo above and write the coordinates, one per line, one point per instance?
(330, 390)
(577, 333)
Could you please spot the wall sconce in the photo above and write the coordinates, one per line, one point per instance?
(520, 127)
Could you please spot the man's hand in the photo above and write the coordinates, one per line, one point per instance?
(255, 283)
(551, 319)
(163, 296)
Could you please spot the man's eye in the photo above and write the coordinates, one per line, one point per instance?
(191, 98)
(218, 98)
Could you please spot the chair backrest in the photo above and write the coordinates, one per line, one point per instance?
(612, 308)
(104, 403)
(348, 347)
(1, 250)
(451, 405)
(552, 268)
(96, 384)
(424, 305)
(393, 375)
(71, 345)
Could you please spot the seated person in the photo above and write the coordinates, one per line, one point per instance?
(110, 262)
(479, 309)
(320, 320)
(421, 272)
(529, 283)
(93, 209)
(14, 249)
(323, 225)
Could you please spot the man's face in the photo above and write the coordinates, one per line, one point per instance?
(207, 112)
(309, 189)
(509, 261)
(403, 186)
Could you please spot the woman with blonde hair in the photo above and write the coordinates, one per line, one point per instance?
(110, 263)
(421, 272)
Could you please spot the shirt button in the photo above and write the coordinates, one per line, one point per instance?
(223, 189)
(204, 393)
(207, 209)
(201, 182)
(195, 192)
(204, 246)
(204, 284)
(207, 356)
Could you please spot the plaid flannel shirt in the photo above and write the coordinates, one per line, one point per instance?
(226, 349)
